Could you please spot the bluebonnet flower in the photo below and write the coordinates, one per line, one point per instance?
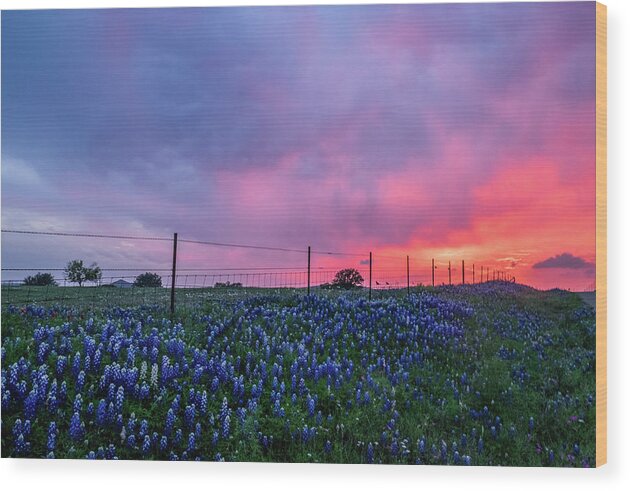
(327, 447)
(189, 416)
(170, 421)
(421, 446)
(203, 405)
(30, 404)
(76, 364)
(21, 445)
(225, 427)
(144, 391)
(163, 443)
(80, 381)
(77, 427)
(225, 410)
(214, 385)
(370, 453)
(17, 428)
(191, 442)
(394, 448)
(178, 436)
(120, 399)
(144, 428)
(52, 436)
(77, 406)
(131, 441)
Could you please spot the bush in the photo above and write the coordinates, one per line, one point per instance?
(148, 280)
(40, 279)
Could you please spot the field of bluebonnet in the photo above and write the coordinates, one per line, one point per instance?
(489, 374)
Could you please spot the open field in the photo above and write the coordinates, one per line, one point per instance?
(489, 374)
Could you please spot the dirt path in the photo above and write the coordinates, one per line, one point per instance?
(588, 298)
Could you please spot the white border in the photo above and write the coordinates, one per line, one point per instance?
(184, 476)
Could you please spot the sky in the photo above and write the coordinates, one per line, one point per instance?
(454, 132)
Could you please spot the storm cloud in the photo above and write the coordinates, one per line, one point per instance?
(419, 129)
(564, 260)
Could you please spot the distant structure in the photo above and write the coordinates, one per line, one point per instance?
(122, 284)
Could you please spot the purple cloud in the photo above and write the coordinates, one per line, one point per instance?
(564, 260)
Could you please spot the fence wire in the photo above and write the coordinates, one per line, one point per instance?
(379, 272)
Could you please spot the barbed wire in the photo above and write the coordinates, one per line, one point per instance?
(79, 234)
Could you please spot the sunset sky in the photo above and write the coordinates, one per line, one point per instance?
(454, 132)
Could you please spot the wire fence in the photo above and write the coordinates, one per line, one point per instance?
(181, 284)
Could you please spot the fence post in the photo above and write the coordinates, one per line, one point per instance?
(174, 271)
(473, 273)
(370, 291)
(308, 275)
(463, 277)
(408, 292)
(449, 272)
(433, 272)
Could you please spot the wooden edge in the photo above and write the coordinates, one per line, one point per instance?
(600, 241)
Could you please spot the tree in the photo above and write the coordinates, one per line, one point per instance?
(76, 272)
(40, 279)
(94, 273)
(347, 278)
(148, 279)
(227, 284)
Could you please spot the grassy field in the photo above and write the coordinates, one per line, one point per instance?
(490, 374)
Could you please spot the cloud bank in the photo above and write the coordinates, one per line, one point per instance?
(565, 261)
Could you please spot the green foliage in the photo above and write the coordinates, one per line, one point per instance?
(148, 280)
(40, 279)
(347, 278)
(76, 272)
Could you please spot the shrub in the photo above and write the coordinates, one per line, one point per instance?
(40, 279)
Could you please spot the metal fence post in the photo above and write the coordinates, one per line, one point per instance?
(408, 291)
(174, 272)
(370, 290)
(308, 276)
(463, 277)
(432, 272)
(449, 272)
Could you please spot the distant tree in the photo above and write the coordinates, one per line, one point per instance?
(40, 279)
(76, 272)
(148, 280)
(94, 273)
(227, 284)
(347, 278)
